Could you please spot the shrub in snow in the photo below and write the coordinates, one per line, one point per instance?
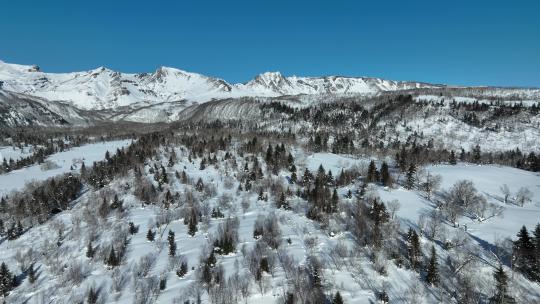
(49, 165)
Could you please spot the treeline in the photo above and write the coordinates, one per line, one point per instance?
(526, 253)
(51, 147)
(103, 172)
(37, 203)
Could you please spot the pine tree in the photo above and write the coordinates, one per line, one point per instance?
(372, 172)
(462, 155)
(92, 296)
(524, 253)
(337, 299)
(211, 261)
(31, 274)
(282, 202)
(501, 295)
(200, 185)
(363, 189)
(203, 164)
(6, 280)
(477, 157)
(307, 178)
(413, 248)
(112, 259)
(150, 235)
(83, 170)
(183, 270)
(133, 229)
(192, 225)
(90, 250)
(536, 241)
(411, 177)
(334, 201)
(330, 179)
(452, 159)
(383, 297)
(269, 154)
(385, 175)
(163, 283)
(172, 243)
(433, 268)
(116, 202)
(20, 229)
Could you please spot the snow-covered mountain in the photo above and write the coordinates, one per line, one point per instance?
(102, 88)
(170, 94)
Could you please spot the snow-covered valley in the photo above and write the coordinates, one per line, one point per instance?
(240, 217)
(174, 187)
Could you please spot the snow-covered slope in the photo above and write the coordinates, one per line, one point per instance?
(164, 95)
(102, 88)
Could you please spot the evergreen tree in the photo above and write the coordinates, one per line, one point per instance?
(330, 179)
(116, 202)
(92, 296)
(293, 178)
(133, 229)
(269, 154)
(83, 170)
(501, 295)
(462, 155)
(203, 164)
(363, 190)
(337, 299)
(163, 283)
(383, 297)
(20, 229)
(183, 270)
(537, 251)
(372, 172)
(150, 235)
(452, 159)
(282, 202)
(411, 177)
(12, 232)
(90, 250)
(172, 243)
(524, 253)
(192, 225)
(184, 178)
(477, 156)
(433, 268)
(334, 201)
(6, 280)
(307, 178)
(112, 259)
(385, 175)
(413, 248)
(31, 274)
(200, 185)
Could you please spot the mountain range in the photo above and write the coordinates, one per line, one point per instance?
(102, 94)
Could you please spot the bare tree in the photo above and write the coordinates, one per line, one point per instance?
(505, 192)
(523, 196)
(434, 224)
(431, 184)
(393, 207)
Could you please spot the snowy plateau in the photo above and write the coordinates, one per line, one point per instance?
(174, 187)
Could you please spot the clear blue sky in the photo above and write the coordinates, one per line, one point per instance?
(455, 42)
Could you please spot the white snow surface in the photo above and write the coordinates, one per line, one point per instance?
(89, 153)
(102, 88)
(355, 279)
